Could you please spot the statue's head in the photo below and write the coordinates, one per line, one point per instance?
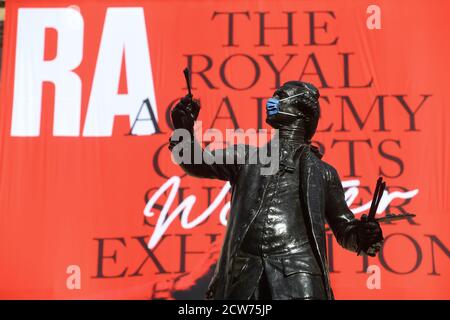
(295, 104)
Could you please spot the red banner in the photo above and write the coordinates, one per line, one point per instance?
(86, 91)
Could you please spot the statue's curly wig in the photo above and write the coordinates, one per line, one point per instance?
(308, 105)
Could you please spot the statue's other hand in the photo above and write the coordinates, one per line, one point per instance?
(370, 236)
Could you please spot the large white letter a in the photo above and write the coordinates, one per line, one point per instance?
(124, 33)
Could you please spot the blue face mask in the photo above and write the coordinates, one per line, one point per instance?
(273, 106)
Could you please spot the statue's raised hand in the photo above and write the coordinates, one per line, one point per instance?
(185, 113)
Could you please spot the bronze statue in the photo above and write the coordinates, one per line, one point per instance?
(274, 247)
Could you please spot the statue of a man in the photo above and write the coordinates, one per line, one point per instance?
(275, 242)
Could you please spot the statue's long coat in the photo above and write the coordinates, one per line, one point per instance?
(321, 194)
